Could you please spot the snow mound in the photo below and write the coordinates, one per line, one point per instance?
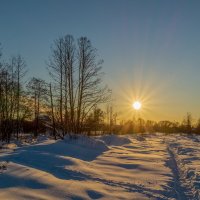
(88, 142)
(10, 146)
(115, 140)
(42, 138)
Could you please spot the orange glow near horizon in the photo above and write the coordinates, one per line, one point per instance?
(143, 86)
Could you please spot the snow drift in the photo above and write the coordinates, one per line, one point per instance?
(115, 140)
(86, 142)
(160, 167)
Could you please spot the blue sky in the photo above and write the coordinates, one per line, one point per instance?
(150, 48)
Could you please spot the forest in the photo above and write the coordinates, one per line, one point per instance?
(75, 100)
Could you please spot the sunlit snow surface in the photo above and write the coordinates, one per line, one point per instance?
(152, 166)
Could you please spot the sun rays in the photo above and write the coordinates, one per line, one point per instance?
(141, 86)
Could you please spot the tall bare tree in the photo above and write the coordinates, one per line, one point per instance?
(69, 59)
(52, 111)
(20, 71)
(90, 90)
(38, 90)
(62, 70)
(57, 72)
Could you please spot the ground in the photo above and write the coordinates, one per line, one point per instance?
(152, 166)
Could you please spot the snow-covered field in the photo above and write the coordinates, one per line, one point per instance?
(108, 167)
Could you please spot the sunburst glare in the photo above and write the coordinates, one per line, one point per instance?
(137, 105)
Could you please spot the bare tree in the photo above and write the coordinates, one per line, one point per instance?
(69, 59)
(90, 91)
(187, 123)
(77, 75)
(20, 70)
(38, 91)
(52, 111)
(60, 68)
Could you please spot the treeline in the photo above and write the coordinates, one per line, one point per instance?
(63, 105)
(148, 126)
(13, 102)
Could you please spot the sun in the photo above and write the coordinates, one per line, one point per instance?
(137, 105)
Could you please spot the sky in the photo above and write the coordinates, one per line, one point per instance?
(150, 48)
